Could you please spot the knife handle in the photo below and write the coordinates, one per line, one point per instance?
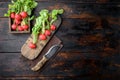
(40, 64)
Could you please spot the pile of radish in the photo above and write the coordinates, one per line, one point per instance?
(43, 36)
(47, 33)
(18, 21)
(44, 26)
(19, 12)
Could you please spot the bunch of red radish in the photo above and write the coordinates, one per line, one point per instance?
(43, 36)
(18, 23)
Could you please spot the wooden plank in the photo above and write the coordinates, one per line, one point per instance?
(84, 34)
(45, 78)
(72, 9)
(65, 64)
(86, 1)
(93, 33)
(3, 11)
(66, 78)
(10, 42)
(78, 1)
(5, 0)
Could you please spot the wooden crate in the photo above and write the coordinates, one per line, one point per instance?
(12, 31)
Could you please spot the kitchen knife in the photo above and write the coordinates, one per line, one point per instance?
(46, 57)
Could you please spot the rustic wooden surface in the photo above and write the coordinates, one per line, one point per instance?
(91, 36)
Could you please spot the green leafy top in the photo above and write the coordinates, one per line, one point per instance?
(18, 6)
(54, 14)
(43, 21)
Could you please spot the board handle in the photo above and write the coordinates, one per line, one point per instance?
(39, 64)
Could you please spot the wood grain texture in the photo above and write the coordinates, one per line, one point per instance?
(10, 42)
(86, 35)
(77, 1)
(63, 65)
(90, 33)
(72, 8)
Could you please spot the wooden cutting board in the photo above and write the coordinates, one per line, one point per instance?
(55, 40)
(41, 62)
(33, 53)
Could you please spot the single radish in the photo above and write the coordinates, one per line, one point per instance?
(20, 28)
(25, 27)
(24, 14)
(32, 45)
(18, 17)
(42, 37)
(52, 27)
(14, 27)
(12, 15)
(17, 21)
(47, 32)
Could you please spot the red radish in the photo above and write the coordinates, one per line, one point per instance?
(14, 26)
(52, 27)
(18, 17)
(32, 45)
(47, 32)
(24, 14)
(25, 27)
(12, 15)
(42, 37)
(20, 28)
(17, 21)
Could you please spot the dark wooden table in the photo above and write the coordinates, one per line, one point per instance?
(91, 36)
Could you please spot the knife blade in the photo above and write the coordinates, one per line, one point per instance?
(46, 57)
